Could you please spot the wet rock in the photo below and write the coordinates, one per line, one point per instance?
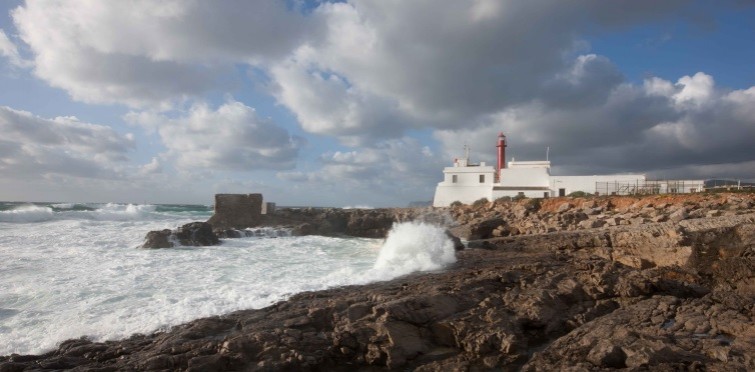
(196, 234)
(158, 239)
(458, 244)
(190, 234)
(303, 229)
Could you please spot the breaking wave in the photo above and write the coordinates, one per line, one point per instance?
(410, 247)
(39, 212)
(415, 246)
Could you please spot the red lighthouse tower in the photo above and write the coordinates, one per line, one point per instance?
(501, 156)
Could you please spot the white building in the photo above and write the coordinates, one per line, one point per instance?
(467, 182)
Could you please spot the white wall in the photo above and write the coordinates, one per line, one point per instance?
(680, 186)
(587, 183)
(525, 177)
(514, 193)
(467, 187)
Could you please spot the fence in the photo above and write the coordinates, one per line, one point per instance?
(649, 187)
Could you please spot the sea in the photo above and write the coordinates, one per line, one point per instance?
(70, 270)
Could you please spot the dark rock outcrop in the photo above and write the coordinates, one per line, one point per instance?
(458, 244)
(195, 234)
(363, 223)
(158, 239)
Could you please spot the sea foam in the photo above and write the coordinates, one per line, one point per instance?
(27, 213)
(415, 246)
(410, 247)
(72, 277)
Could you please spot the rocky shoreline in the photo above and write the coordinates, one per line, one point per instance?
(657, 282)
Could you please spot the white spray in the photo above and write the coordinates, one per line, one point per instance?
(414, 246)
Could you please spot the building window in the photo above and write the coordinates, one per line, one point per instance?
(693, 190)
(454, 178)
(482, 178)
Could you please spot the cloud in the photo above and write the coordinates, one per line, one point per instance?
(385, 67)
(34, 147)
(659, 127)
(372, 73)
(398, 170)
(10, 51)
(359, 70)
(147, 53)
(232, 137)
(327, 104)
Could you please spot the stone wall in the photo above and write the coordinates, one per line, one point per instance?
(236, 211)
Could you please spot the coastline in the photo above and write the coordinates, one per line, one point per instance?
(587, 297)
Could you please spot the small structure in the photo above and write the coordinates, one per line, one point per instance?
(268, 208)
(236, 211)
(466, 182)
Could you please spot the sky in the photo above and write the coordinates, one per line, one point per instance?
(363, 102)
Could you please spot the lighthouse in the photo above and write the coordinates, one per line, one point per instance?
(501, 156)
(467, 182)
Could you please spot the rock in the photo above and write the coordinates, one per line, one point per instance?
(458, 245)
(484, 229)
(366, 223)
(228, 233)
(303, 229)
(158, 239)
(190, 234)
(607, 355)
(564, 207)
(678, 215)
(196, 234)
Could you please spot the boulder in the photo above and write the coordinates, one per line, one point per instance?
(197, 234)
(158, 239)
(191, 234)
(484, 229)
(303, 229)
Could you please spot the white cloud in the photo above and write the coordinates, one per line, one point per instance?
(232, 137)
(34, 147)
(151, 52)
(397, 65)
(656, 127)
(397, 170)
(367, 73)
(153, 167)
(694, 90)
(10, 51)
(328, 104)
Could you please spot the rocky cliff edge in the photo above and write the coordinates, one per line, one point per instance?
(668, 293)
